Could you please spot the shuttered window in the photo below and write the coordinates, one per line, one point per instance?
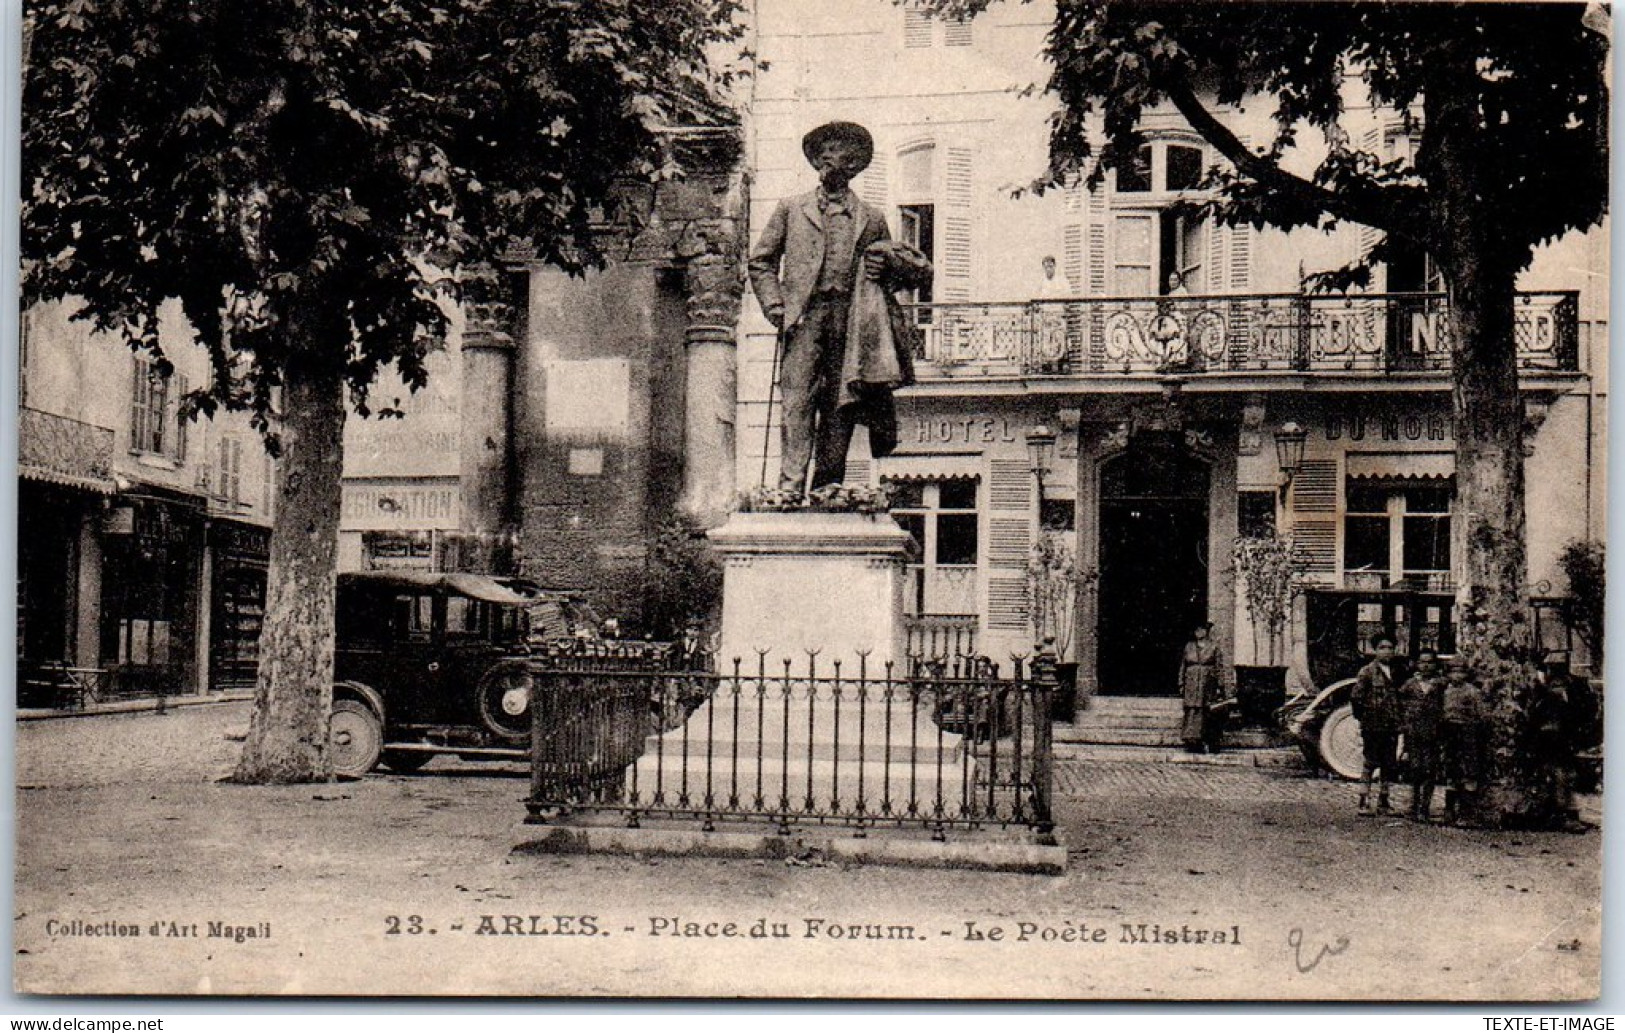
(149, 409)
(1315, 501)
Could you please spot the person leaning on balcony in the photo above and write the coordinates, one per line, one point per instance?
(804, 272)
(1201, 690)
(1377, 707)
(1423, 697)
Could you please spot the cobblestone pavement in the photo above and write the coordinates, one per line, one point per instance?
(1091, 778)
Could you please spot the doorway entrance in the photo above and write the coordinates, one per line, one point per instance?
(1153, 564)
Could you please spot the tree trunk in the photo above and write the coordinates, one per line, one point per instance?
(1489, 453)
(287, 736)
(1481, 268)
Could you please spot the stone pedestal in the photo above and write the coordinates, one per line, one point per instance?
(826, 581)
(794, 583)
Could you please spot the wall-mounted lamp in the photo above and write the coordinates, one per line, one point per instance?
(1289, 441)
(1040, 450)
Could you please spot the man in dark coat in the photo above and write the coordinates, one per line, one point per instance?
(1378, 708)
(804, 271)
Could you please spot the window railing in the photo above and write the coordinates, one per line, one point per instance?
(1243, 333)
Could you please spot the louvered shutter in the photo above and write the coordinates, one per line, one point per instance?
(1218, 258)
(236, 494)
(956, 32)
(1315, 503)
(1095, 228)
(957, 224)
(181, 426)
(1239, 276)
(1368, 237)
(917, 28)
(1010, 528)
(1072, 259)
(872, 184)
(141, 384)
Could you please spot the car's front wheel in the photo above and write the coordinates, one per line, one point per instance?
(355, 738)
(1341, 748)
(506, 692)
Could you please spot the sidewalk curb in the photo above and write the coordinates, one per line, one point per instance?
(813, 849)
(137, 706)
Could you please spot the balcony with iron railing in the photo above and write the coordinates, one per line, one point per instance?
(1371, 334)
(64, 451)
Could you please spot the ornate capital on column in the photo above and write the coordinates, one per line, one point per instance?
(488, 324)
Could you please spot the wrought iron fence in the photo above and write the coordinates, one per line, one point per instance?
(1252, 333)
(947, 745)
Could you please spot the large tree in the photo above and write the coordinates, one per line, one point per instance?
(1508, 106)
(314, 180)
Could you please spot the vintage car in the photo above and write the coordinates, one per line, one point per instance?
(445, 663)
(1341, 626)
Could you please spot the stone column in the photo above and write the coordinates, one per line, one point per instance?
(486, 446)
(713, 294)
(710, 250)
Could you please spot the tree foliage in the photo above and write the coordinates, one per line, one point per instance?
(315, 181)
(247, 157)
(1529, 82)
(1585, 565)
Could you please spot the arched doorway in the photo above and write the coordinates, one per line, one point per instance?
(1153, 563)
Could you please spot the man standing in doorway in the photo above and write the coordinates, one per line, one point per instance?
(804, 270)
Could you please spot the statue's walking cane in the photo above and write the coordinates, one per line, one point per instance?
(772, 389)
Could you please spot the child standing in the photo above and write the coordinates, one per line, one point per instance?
(1423, 696)
(1462, 741)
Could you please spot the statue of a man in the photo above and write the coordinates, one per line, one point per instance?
(804, 271)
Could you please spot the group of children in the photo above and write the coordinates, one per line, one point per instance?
(1442, 720)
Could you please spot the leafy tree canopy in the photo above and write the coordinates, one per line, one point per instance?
(1523, 85)
(251, 158)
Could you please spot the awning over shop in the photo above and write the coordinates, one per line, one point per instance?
(1400, 465)
(939, 467)
(99, 485)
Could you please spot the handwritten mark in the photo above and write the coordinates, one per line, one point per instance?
(1294, 939)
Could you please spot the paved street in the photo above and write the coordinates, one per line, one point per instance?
(121, 821)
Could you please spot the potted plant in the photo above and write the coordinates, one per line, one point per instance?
(1053, 582)
(1272, 576)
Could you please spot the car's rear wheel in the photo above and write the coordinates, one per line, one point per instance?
(405, 762)
(355, 738)
(1341, 748)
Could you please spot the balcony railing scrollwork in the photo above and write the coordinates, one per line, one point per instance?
(1243, 333)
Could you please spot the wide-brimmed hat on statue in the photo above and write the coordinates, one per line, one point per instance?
(849, 131)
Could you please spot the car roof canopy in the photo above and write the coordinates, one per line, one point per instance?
(473, 586)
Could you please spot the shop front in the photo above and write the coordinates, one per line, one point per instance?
(152, 556)
(239, 554)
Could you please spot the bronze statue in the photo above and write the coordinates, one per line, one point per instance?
(842, 338)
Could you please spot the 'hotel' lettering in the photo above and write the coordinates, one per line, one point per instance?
(984, 429)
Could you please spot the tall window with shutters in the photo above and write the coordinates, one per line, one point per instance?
(1157, 248)
(155, 424)
(917, 210)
